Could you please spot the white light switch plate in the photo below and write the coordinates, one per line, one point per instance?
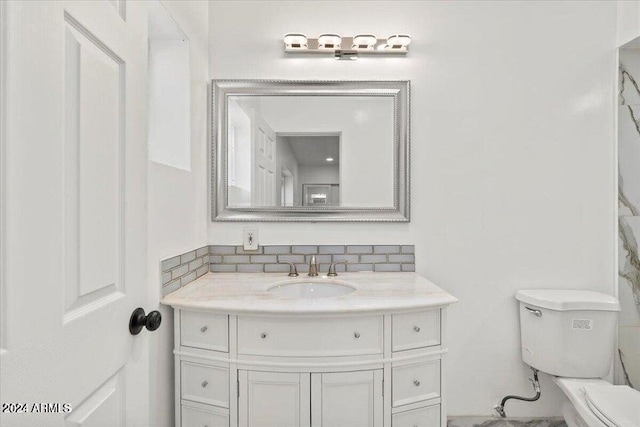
(250, 238)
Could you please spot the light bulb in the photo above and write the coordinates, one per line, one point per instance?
(329, 41)
(295, 41)
(364, 41)
(398, 41)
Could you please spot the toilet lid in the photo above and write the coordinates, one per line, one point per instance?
(615, 406)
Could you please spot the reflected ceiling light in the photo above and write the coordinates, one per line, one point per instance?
(295, 41)
(329, 41)
(398, 41)
(329, 159)
(364, 41)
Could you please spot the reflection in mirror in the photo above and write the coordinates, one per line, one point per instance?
(310, 151)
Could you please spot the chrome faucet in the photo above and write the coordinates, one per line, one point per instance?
(313, 266)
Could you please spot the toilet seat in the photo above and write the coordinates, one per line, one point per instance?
(604, 406)
(615, 406)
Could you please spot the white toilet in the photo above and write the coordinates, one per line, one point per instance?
(571, 335)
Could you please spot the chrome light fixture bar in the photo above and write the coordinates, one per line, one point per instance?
(342, 47)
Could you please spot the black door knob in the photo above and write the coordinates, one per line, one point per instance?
(138, 321)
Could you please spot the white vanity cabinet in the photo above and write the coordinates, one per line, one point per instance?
(298, 370)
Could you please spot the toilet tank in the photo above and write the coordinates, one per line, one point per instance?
(568, 333)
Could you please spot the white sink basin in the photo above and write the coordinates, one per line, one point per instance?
(312, 289)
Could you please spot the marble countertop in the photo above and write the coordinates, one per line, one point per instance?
(246, 293)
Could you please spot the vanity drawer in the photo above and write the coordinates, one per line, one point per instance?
(415, 330)
(199, 417)
(415, 382)
(428, 416)
(204, 330)
(205, 384)
(286, 336)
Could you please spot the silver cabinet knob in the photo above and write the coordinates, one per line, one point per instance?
(203, 329)
(416, 383)
(205, 383)
(416, 328)
(263, 335)
(357, 335)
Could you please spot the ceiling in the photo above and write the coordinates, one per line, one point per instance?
(313, 150)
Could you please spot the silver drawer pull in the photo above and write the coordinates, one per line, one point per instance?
(416, 383)
(357, 335)
(416, 328)
(263, 335)
(205, 383)
(537, 313)
(203, 329)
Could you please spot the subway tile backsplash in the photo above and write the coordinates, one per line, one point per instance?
(268, 259)
(185, 268)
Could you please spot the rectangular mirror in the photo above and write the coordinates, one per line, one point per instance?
(310, 151)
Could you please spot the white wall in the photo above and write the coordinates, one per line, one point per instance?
(628, 21)
(169, 103)
(512, 156)
(178, 207)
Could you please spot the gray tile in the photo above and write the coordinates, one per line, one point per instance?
(302, 268)
(386, 249)
(205, 259)
(291, 258)
(402, 258)
(240, 251)
(168, 264)
(359, 267)
(188, 278)
(170, 287)
(202, 251)
(324, 268)
(331, 249)
(277, 249)
(304, 249)
(276, 268)
(250, 268)
(217, 259)
(195, 264)
(387, 267)
(348, 258)
(179, 271)
(408, 267)
(202, 270)
(408, 249)
(166, 277)
(222, 249)
(373, 258)
(222, 268)
(263, 258)
(236, 259)
(188, 257)
(319, 258)
(359, 249)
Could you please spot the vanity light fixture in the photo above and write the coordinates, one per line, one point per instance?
(329, 159)
(295, 41)
(343, 47)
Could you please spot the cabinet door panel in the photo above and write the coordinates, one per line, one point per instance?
(351, 399)
(274, 399)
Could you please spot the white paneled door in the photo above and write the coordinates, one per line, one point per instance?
(263, 141)
(74, 219)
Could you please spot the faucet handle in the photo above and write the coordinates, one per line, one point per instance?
(293, 271)
(332, 268)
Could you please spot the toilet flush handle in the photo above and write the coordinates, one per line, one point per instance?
(537, 313)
